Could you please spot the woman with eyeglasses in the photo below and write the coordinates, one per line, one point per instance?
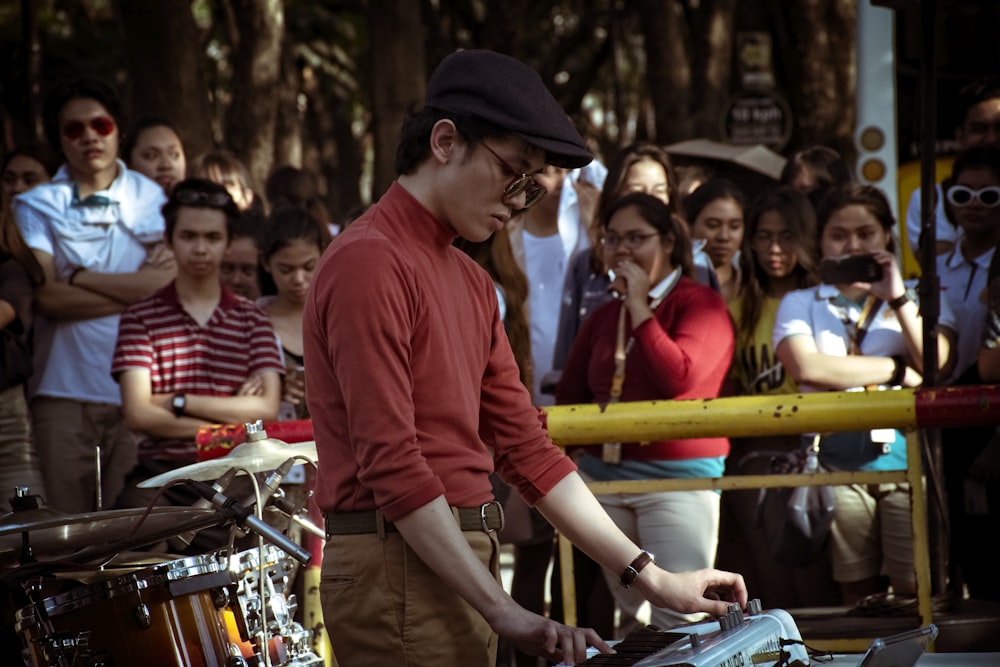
(779, 255)
(665, 337)
(96, 230)
(854, 336)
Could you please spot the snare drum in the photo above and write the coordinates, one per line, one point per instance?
(160, 616)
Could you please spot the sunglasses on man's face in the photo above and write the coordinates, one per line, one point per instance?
(74, 129)
(206, 199)
(960, 195)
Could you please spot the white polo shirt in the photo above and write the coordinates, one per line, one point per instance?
(818, 313)
(73, 357)
(963, 286)
(944, 230)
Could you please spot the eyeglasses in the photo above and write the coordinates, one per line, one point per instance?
(766, 240)
(631, 241)
(521, 183)
(959, 195)
(74, 129)
(198, 198)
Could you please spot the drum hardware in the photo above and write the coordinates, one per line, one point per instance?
(281, 503)
(231, 508)
(63, 648)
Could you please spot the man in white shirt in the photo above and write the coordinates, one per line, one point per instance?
(97, 232)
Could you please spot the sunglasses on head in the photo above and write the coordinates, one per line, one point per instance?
(74, 129)
(960, 195)
(198, 198)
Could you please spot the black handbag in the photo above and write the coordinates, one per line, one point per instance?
(15, 360)
(796, 520)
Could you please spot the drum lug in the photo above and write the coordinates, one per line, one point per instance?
(59, 647)
(143, 617)
(236, 661)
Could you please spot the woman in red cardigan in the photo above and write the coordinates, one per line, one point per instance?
(674, 339)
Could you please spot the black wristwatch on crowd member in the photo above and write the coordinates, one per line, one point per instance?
(178, 403)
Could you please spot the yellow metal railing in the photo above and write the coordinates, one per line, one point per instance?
(904, 409)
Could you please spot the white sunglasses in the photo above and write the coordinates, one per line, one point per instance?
(960, 195)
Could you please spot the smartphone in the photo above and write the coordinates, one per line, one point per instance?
(902, 650)
(847, 269)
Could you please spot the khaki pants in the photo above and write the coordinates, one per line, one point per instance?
(19, 465)
(66, 434)
(383, 606)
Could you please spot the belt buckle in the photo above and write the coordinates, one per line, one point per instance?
(482, 517)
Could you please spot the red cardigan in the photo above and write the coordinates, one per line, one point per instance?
(683, 352)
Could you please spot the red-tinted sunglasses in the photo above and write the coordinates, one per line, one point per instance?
(74, 129)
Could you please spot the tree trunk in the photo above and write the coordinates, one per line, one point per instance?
(166, 68)
(289, 119)
(714, 39)
(250, 122)
(824, 40)
(668, 69)
(398, 78)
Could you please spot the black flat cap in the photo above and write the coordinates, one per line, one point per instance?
(510, 95)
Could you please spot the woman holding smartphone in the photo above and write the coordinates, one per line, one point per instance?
(853, 336)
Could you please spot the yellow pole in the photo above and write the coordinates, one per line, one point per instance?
(736, 417)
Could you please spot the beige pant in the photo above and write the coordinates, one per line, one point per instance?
(383, 606)
(19, 466)
(872, 533)
(66, 435)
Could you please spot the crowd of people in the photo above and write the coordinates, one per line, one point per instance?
(144, 295)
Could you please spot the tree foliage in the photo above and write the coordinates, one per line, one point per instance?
(324, 84)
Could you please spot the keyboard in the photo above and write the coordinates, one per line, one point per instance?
(755, 638)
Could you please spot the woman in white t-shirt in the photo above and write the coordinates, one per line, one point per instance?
(850, 336)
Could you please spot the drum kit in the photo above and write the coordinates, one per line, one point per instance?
(92, 600)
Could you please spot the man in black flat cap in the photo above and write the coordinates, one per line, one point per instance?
(415, 397)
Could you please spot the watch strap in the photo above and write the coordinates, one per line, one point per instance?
(899, 301)
(634, 568)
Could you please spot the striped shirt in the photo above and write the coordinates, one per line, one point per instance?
(158, 335)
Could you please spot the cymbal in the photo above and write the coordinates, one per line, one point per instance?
(66, 533)
(251, 456)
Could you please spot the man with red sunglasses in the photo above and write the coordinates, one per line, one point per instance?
(97, 231)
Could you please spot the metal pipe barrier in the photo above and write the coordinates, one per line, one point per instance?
(754, 416)
(745, 416)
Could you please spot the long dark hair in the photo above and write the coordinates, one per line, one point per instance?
(618, 170)
(857, 194)
(289, 223)
(795, 209)
(496, 256)
(711, 190)
(11, 242)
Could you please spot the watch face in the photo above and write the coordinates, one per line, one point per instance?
(178, 403)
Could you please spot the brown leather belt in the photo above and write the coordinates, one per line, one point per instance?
(486, 518)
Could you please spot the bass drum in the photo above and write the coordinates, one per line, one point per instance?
(167, 615)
